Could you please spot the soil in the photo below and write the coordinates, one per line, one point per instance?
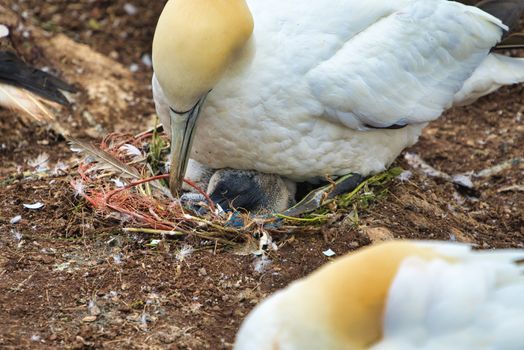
(71, 279)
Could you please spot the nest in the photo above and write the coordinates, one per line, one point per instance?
(124, 178)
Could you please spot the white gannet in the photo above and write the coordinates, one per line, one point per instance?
(25, 88)
(400, 295)
(309, 89)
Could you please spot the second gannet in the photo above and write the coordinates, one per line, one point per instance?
(400, 295)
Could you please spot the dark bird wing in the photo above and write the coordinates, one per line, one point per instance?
(13, 71)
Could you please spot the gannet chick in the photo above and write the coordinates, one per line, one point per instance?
(251, 191)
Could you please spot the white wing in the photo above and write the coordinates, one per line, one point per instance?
(407, 67)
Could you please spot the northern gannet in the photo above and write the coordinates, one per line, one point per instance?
(309, 89)
(25, 88)
(402, 295)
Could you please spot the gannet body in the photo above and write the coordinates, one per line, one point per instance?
(397, 296)
(317, 88)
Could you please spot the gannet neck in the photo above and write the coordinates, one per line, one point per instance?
(194, 43)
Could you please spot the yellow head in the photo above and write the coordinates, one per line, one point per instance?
(194, 43)
(340, 306)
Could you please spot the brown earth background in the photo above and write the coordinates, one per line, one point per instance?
(71, 279)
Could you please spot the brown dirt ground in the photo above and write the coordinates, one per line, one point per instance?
(72, 279)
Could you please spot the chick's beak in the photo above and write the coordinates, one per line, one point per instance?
(182, 129)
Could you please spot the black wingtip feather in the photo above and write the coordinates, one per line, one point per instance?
(15, 72)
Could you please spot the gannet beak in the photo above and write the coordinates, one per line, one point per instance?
(182, 128)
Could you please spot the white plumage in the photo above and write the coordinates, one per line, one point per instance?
(398, 296)
(301, 97)
(473, 305)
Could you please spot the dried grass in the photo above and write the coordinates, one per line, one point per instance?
(145, 203)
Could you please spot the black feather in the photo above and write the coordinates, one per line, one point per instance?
(391, 127)
(14, 71)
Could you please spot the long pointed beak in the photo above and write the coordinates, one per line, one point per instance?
(182, 129)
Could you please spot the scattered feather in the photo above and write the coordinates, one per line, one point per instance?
(40, 164)
(35, 206)
(133, 68)
(144, 320)
(93, 308)
(184, 252)
(16, 219)
(415, 161)
(104, 162)
(266, 244)
(146, 60)
(130, 9)
(458, 198)
(16, 235)
(329, 253)
(131, 150)
(60, 168)
(154, 242)
(404, 176)
(463, 180)
(513, 188)
(4, 31)
(261, 264)
(494, 170)
(117, 258)
(104, 159)
(78, 187)
(118, 183)
(62, 267)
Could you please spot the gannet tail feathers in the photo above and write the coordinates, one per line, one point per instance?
(27, 89)
(496, 70)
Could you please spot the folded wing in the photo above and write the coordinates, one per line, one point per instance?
(407, 67)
